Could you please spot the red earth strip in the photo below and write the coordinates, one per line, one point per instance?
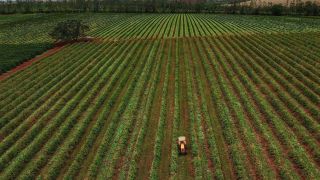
(29, 62)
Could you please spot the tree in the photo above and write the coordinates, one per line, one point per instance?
(311, 9)
(277, 10)
(69, 30)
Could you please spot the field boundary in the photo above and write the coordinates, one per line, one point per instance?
(138, 38)
(58, 47)
(28, 63)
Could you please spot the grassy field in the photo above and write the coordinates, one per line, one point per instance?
(24, 36)
(244, 90)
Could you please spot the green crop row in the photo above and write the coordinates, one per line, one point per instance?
(135, 140)
(73, 87)
(132, 166)
(229, 131)
(108, 100)
(65, 111)
(45, 97)
(19, 43)
(200, 160)
(176, 119)
(206, 125)
(107, 143)
(122, 132)
(161, 126)
(296, 155)
(105, 72)
(245, 92)
(42, 110)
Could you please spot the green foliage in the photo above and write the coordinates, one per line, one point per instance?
(277, 10)
(249, 86)
(311, 9)
(219, 6)
(21, 38)
(69, 30)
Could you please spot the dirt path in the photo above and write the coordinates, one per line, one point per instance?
(30, 62)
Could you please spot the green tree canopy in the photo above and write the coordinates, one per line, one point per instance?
(69, 30)
(277, 10)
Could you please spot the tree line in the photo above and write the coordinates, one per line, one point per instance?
(156, 6)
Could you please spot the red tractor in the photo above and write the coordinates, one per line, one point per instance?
(182, 145)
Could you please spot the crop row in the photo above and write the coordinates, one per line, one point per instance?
(277, 123)
(248, 104)
(23, 39)
(189, 25)
(65, 112)
(98, 126)
(134, 148)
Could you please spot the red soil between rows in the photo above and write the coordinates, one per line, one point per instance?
(57, 47)
(195, 88)
(146, 155)
(164, 167)
(30, 62)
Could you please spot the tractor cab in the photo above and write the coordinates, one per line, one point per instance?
(182, 145)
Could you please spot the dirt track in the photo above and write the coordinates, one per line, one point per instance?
(30, 62)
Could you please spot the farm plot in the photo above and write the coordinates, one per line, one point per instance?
(25, 36)
(248, 102)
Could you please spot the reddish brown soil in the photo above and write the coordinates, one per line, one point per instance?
(292, 129)
(243, 146)
(226, 165)
(83, 173)
(164, 166)
(84, 39)
(44, 169)
(260, 139)
(121, 162)
(146, 158)
(184, 115)
(264, 119)
(203, 123)
(30, 62)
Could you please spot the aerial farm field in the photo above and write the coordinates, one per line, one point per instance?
(244, 90)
